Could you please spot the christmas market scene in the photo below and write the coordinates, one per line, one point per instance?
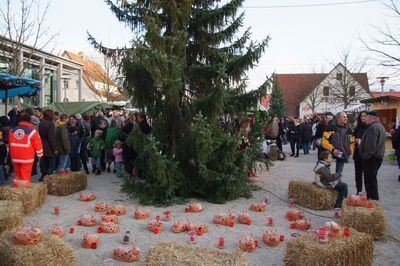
(199, 132)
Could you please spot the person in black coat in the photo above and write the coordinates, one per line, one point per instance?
(358, 133)
(294, 136)
(396, 145)
(47, 132)
(306, 136)
(74, 142)
(15, 116)
(144, 126)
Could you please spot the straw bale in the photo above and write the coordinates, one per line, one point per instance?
(312, 196)
(172, 253)
(11, 214)
(51, 250)
(367, 220)
(357, 249)
(67, 184)
(31, 198)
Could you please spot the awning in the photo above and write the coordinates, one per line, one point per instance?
(11, 86)
(72, 108)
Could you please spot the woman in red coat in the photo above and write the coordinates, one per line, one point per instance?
(24, 143)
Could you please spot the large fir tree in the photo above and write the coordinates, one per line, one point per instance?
(187, 69)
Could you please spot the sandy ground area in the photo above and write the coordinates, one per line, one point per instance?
(276, 180)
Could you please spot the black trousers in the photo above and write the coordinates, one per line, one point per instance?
(47, 165)
(371, 167)
(74, 164)
(295, 143)
(358, 166)
(341, 187)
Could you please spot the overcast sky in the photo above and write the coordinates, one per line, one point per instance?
(303, 39)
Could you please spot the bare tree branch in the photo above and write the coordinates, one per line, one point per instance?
(23, 30)
(387, 41)
(344, 88)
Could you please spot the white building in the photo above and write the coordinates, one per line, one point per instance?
(309, 93)
(97, 84)
(53, 71)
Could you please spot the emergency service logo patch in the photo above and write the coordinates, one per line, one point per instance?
(19, 134)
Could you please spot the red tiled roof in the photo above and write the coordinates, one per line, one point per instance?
(94, 71)
(377, 94)
(296, 87)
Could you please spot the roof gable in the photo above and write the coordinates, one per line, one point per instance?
(296, 87)
(92, 72)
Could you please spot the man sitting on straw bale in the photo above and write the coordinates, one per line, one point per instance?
(24, 143)
(325, 179)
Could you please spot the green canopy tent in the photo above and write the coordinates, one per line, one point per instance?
(72, 108)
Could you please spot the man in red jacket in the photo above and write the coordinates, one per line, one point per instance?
(24, 142)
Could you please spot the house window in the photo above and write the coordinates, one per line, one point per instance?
(326, 91)
(339, 76)
(352, 90)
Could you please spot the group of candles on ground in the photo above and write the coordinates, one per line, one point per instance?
(247, 243)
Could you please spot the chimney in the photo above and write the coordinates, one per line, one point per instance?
(81, 54)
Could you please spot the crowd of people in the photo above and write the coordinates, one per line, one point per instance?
(338, 140)
(62, 143)
(54, 142)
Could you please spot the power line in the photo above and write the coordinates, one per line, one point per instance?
(312, 5)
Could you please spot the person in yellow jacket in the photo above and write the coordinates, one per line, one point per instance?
(339, 140)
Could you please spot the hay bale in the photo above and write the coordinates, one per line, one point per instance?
(67, 184)
(371, 221)
(312, 196)
(172, 253)
(50, 251)
(11, 214)
(355, 250)
(31, 198)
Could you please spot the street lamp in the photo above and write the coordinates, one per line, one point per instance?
(382, 81)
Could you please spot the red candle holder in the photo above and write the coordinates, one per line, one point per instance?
(221, 242)
(156, 230)
(256, 243)
(266, 201)
(231, 223)
(56, 210)
(94, 246)
(167, 215)
(282, 238)
(200, 232)
(270, 220)
(347, 231)
(292, 226)
(291, 202)
(192, 238)
(71, 230)
(79, 222)
(99, 230)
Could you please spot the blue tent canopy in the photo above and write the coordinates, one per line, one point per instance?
(11, 86)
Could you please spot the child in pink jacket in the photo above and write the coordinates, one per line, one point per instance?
(118, 161)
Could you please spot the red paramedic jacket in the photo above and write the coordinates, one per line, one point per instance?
(24, 141)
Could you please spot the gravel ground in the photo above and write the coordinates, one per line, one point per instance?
(276, 180)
